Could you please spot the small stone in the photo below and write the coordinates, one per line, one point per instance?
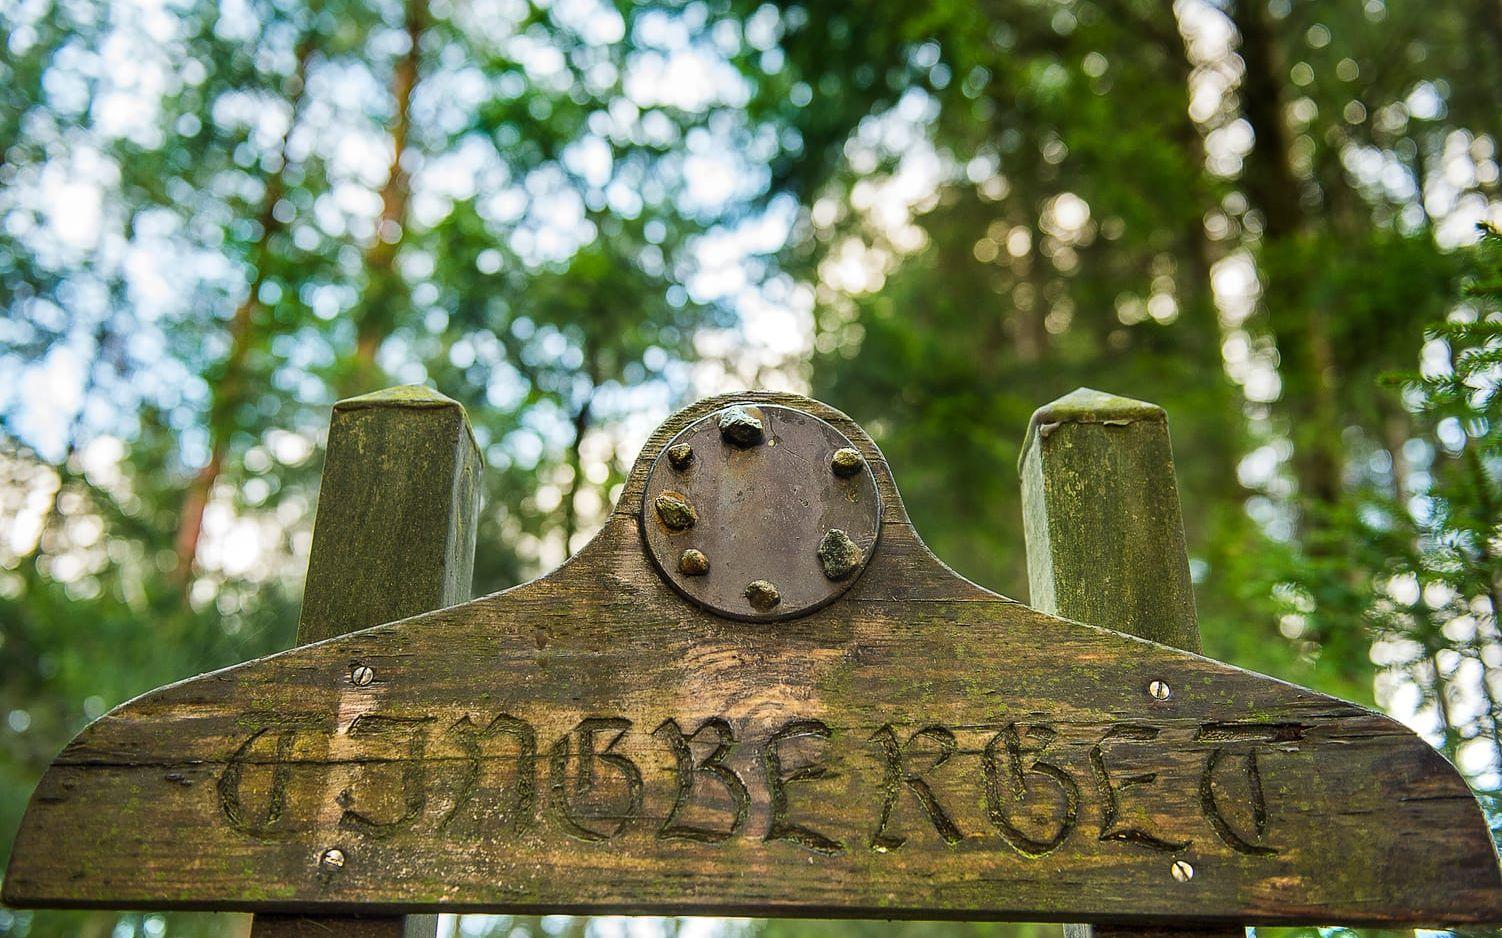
(693, 563)
(680, 456)
(847, 462)
(762, 595)
(740, 427)
(676, 512)
(838, 554)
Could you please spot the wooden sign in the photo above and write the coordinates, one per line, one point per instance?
(643, 732)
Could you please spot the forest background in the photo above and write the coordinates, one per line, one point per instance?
(217, 218)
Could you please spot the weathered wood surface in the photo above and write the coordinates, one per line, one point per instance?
(1105, 538)
(1100, 508)
(397, 507)
(394, 537)
(919, 748)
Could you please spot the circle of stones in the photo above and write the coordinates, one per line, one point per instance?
(760, 512)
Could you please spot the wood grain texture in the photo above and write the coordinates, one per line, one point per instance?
(394, 536)
(591, 742)
(1099, 499)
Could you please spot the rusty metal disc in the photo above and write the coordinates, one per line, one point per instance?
(761, 512)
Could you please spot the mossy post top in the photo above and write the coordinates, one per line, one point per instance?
(417, 396)
(398, 507)
(1087, 405)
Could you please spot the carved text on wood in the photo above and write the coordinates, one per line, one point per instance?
(698, 780)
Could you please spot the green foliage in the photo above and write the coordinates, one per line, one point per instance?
(216, 219)
(1418, 568)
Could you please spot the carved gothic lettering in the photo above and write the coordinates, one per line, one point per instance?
(516, 812)
(1109, 788)
(714, 768)
(563, 798)
(1009, 784)
(778, 779)
(1211, 806)
(899, 773)
(271, 745)
(413, 773)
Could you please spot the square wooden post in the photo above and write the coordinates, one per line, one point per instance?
(394, 537)
(1105, 537)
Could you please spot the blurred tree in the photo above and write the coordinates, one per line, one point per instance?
(217, 218)
(1421, 565)
(1071, 241)
(235, 381)
(1005, 202)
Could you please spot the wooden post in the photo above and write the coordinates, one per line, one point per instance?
(394, 537)
(1105, 536)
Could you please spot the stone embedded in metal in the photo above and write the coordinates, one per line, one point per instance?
(846, 462)
(693, 563)
(762, 511)
(762, 595)
(675, 511)
(742, 426)
(838, 555)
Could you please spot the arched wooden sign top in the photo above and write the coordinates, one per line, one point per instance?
(600, 741)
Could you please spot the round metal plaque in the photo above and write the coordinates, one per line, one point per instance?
(761, 512)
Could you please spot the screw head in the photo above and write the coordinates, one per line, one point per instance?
(675, 511)
(693, 563)
(846, 462)
(762, 595)
(1182, 871)
(680, 456)
(331, 860)
(742, 428)
(1159, 690)
(838, 554)
(362, 675)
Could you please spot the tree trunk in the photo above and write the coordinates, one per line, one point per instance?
(582, 418)
(1199, 318)
(1310, 402)
(1269, 180)
(576, 463)
(229, 390)
(378, 311)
